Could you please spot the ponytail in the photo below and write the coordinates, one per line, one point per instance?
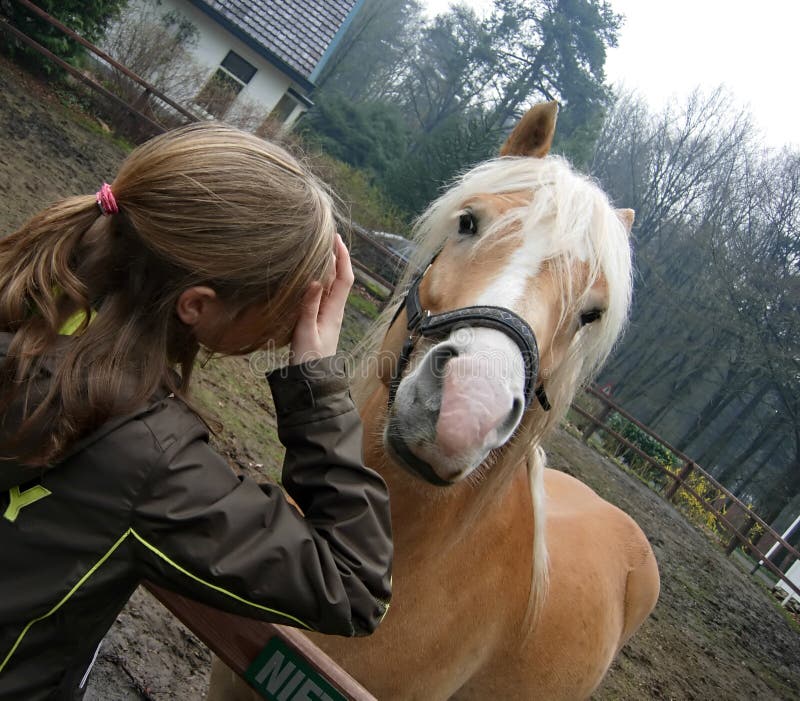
(37, 263)
(64, 264)
(37, 285)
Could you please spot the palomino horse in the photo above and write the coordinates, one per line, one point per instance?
(510, 581)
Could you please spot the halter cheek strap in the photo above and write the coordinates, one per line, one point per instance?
(421, 323)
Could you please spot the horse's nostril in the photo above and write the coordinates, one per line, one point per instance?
(440, 356)
(513, 417)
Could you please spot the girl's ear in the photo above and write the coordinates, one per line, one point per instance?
(198, 307)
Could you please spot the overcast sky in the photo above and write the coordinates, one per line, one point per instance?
(668, 47)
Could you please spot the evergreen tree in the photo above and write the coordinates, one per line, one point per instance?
(368, 135)
(460, 82)
(451, 70)
(555, 49)
(89, 18)
(373, 54)
(454, 146)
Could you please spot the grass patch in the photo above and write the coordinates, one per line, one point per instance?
(230, 392)
(79, 110)
(375, 289)
(364, 306)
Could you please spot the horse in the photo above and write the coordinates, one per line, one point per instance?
(511, 581)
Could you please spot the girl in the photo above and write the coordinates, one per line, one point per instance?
(211, 237)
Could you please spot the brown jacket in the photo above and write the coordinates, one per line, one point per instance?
(145, 497)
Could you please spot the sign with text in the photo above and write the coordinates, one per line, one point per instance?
(280, 673)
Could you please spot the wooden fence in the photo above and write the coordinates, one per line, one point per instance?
(680, 479)
(375, 260)
(141, 109)
(239, 642)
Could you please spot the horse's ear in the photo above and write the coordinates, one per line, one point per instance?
(534, 133)
(626, 216)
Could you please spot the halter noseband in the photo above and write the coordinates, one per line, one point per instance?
(421, 323)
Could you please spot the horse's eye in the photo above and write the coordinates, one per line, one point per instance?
(467, 224)
(590, 316)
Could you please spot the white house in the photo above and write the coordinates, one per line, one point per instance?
(265, 52)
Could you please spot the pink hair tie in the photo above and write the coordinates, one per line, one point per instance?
(105, 200)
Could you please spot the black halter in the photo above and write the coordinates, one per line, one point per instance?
(421, 323)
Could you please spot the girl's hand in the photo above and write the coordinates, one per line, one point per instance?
(316, 334)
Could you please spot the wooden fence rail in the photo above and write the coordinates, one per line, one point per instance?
(594, 391)
(152, 127)
(148, 90)
(86, 80)
(238, 641)
(680, 480)
(379, 261)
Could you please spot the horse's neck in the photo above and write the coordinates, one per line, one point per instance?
(430, 520)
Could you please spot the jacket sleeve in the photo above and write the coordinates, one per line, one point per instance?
(228, 542)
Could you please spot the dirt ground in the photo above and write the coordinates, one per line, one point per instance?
(715, 634)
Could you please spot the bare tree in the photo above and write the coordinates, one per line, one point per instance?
(713, 354)
(158, 47)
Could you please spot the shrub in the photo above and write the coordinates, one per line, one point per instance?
(692, 506)
(694, 509)
(648, 445)
(365, 203)
(367, 135)
(157, 46)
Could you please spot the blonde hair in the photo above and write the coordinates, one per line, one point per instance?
(206, 204)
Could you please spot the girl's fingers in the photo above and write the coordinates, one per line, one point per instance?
(320, 321)
(305, 338)
(309, 308)
(337, 296)
(344, 269)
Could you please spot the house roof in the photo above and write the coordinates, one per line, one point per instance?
(296, 32)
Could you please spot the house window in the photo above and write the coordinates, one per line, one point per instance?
(238, 67)
(283, 110)
(281, 116)
(221, 89)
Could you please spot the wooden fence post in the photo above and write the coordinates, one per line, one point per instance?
(734, 542)
(679, 480)
(142, 101)
(596, 423)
